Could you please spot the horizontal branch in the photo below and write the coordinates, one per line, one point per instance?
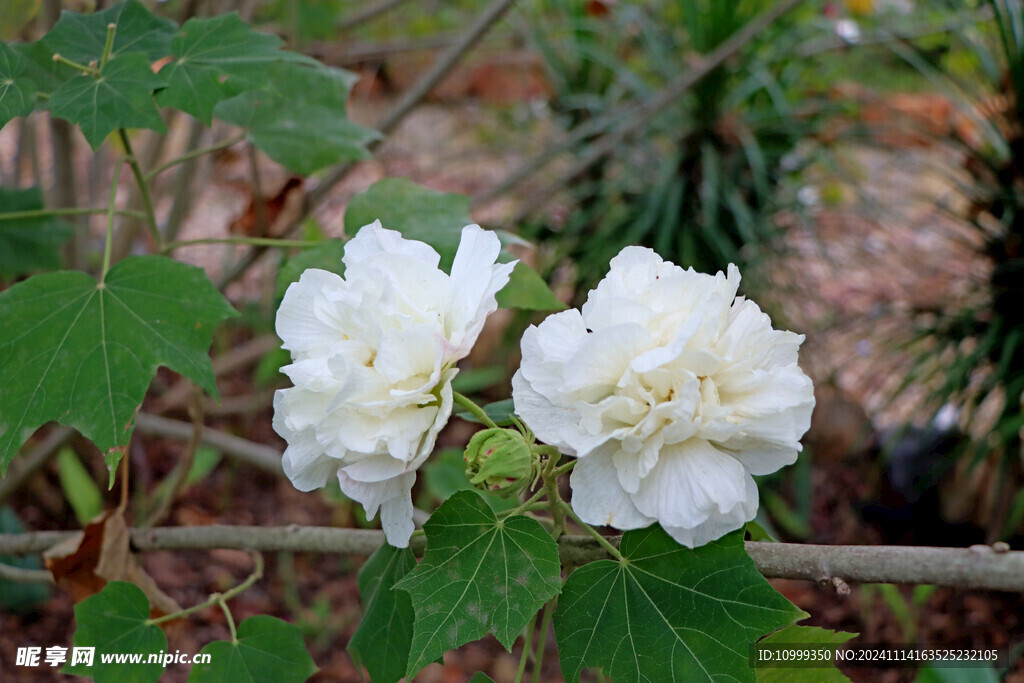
(981, 567)
(258, 455)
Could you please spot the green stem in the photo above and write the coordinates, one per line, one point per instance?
(530, 502)
(474, 410)
(110, 222)
(193, 154)
(258, 241)
(75, 65)
(216, 598)
(565, 468)
(108, 45)
(527, 645)
(46, 213)
(545, 622)
(554, 499)
(140, 178)
(230, 620)
(612, 550)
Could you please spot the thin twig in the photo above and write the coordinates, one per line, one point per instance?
(258, 455)
(368, 13)
(143, 185)
(19, 575)
(188, 156)
(980, 567)
(24, 466)
(180, 474)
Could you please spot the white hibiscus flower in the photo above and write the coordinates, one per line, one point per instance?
(671, 392)
(374, 355)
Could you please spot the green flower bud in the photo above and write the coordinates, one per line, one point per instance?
(500, 461)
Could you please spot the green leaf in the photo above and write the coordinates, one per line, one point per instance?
(298, 117)
(16, 597)
(325, 256)
(115, 621)
(527, 290)
(44, 73)
(478, 575)
(17, 92)
(500, 413)
(122, 97)
(267, 650)
(803, 635)
(84, 353)
(437, 218)
(81, 37)
(481, 677)
(79, 488)
(381, 643)
(215, 59)
(29, 244)
(667, 613)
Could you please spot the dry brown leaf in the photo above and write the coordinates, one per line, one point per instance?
(85, 563)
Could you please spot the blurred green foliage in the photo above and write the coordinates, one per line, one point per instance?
(700, 185)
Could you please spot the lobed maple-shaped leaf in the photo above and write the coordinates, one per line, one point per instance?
(17, 92)
(116, 620)
(83, 352)
(437, 218)
(214, 59)
(28, 244)
(81, 37)
(121, 97)
(297, 117)
(382, 641)
(44, 73)
(266, 649)
(479, 574)
(668, 613)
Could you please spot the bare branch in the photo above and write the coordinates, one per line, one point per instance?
(978, 567)
(258, 455)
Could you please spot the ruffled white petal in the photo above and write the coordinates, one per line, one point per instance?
(671, 391)
(598, 498)
(374, 355)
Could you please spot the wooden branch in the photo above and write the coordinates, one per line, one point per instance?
(977, 567)
(258, 455)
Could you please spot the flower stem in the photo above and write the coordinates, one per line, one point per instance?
(110, 222)
(612, 550)
(566, 467)
(542, 641)
(554, 499)
(140, 178)
(527, 646)
(108, 45)
(229, 619)
(259, 241)
(474, 410)
(218, 598)
(193, 154)
(75, 65)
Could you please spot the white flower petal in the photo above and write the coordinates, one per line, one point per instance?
(392, 497)
(374, 239)
(298, 324)
(598, 498)
(475, 281)
(718, 525)
(692, 482)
